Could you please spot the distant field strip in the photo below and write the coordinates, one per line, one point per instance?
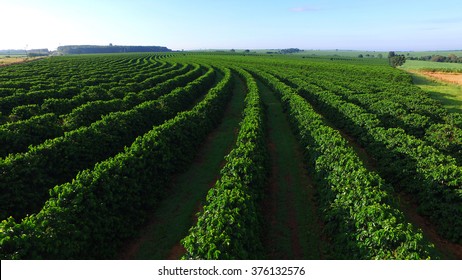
(432, 66)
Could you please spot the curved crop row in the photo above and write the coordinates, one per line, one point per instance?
(359, 212)
(91, 144)
(15, 137)
(39, 75)
(228, 227)
(406, 161)
(91, 216)
(26, 178)
(398, 105)
(62, 106)
(92, 111)
(66, 89)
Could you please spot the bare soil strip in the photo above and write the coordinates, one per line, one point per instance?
(7, 61)
(455, 78)
(449, 250)
(292, 229)
(160, 239)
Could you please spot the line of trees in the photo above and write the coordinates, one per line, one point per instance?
(439, 58)
(83, 49)
(38, 52)
(285, 51)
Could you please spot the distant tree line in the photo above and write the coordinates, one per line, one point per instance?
(29, 53)
(88, 49)
(370, 55)
(12, 52)
(38, 52)
(291, 50)
(285, 51)
(439, 58)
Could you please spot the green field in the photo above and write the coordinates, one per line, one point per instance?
(341, 53)
(11, 55)
(450, 95)
(212, 155)
(356, 53)
(430, 65)
(430, 53)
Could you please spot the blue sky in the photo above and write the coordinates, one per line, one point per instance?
(225, 24)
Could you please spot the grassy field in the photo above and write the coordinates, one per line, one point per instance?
(441, 80)
(450, 95)
(427, 65)
(4, 56)
(11, 59)
(8, 60)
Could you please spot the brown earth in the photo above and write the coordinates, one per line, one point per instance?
(5, 61)
(450, 250)
(455, 78)
(270, 205)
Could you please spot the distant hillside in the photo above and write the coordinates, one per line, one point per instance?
(31, 52)
(12, 52)
(88, 49)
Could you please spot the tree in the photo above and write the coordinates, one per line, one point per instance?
(452, 58)
(438, 58)
(396, 60)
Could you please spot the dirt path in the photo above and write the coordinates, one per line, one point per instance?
(160, 239)
(291, 224)
(447, 249)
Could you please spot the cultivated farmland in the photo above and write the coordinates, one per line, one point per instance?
(225, 156)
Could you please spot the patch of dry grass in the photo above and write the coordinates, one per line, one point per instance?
(5, 61)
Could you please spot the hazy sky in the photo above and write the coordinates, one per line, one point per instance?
(225, 24)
